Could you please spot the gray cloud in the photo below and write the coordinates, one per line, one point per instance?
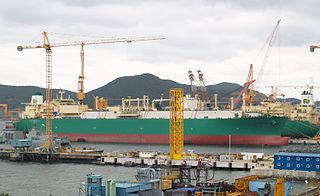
(221, 37)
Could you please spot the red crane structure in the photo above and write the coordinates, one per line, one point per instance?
(202, 89)
(192, 85)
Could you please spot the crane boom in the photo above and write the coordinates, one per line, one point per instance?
(271, 39)
(90, 42)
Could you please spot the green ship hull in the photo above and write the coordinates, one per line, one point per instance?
(300, 129)
(242, 131)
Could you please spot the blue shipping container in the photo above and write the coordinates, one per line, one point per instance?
(297, 161)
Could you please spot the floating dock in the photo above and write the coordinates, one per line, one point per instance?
(74, 157)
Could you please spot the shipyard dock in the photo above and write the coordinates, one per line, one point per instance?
(130, 159)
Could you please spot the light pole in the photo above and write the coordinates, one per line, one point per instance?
(292, 177)
(306, 181)
(229, 147)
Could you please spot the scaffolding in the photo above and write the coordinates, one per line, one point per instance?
(176, 124)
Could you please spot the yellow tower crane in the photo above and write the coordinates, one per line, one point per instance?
(47, 46)
(176, 124)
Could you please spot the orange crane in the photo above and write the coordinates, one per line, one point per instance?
(247, 90)
(249, 94)
(47, 46)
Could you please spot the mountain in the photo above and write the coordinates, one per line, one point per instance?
(293, 101)
(134, 86)
(153, 86)
(15, 95)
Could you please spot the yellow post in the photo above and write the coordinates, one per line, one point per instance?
(279, 187)
(176, 124)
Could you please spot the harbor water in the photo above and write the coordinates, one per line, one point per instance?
(29, 178)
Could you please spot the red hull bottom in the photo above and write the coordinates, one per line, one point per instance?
(189, 139)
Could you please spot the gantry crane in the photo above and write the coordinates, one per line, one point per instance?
(176, 123)
(47, 46)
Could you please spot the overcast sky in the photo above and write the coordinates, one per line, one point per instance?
(220, 37)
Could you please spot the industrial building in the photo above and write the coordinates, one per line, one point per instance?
(297, 161)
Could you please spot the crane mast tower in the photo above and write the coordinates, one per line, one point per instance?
(81, 95)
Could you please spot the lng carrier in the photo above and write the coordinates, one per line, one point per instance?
(138, 121)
